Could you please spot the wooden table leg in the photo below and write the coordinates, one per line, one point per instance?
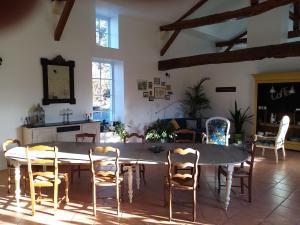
(228, 184)
(130, 190)
(137, 176)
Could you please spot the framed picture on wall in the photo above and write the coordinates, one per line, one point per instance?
(159, 92)
(150, 85)
(156, 81)
(142, 85)
(145, 94)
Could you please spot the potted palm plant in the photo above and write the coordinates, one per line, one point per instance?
(239, 118)
(195, 99)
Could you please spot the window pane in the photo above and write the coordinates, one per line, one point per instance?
(96, 87)
(105, 103)
(106, 70)
(95, 70)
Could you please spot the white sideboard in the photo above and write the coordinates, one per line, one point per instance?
(59, 132)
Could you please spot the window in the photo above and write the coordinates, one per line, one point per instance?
(107, 32)
(103, 94)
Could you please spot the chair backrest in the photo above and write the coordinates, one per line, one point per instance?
(10, 143)
(85, 137)
(185, 136)
(107, 165)
(217, 131)
(134, 137)
(183, 159)
(42, 155)
(283, 127)
(249, 146)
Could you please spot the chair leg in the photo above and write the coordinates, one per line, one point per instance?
(71, 172)
(9, 181)
(170, 203)
(78, 171)
(55, 196)
(219, 181)
(165, 197)
(194, 205)
(276, 155)
(263, 152)
(118, 199)
(242, 185)
(94, 199)
(142, 172)
(283, 152)
(67, 187)
(249, 188)
(199, 176)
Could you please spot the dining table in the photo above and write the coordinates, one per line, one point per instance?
(75, 153)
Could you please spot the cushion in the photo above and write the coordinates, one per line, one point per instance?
(191, 124)
(174, 123)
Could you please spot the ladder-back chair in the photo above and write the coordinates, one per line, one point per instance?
(105, 171)
(132, 138)
(45, 156)
(182, 159)
(8, 144)
(243, 172)
(82, 137)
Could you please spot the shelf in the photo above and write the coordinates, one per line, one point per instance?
(277, 125)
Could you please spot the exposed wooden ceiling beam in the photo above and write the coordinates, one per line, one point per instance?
(235, 39)
(63, 19)
(254, 2)
(291, 34)
(256, 53)
(222, 17)
(176, 32)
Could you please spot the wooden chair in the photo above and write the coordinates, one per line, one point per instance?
(241, 172)
(82, 137)
(7, 144)
(274, 143)
(181, 159)
(45, 156)
(185, 136)
(135, 138)
(217, 131)
(105, 172)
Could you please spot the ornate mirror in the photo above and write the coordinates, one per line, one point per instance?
(58, 80)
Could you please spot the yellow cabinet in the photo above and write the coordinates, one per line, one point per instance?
(278, 94)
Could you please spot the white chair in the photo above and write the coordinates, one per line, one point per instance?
(217, 131)
(274, 143)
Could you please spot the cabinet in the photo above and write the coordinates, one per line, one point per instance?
(59, 132)
(278, 94)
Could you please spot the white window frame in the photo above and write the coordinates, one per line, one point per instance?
(112, 111)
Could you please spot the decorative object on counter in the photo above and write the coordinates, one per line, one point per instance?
(88, 116)
(65, 113)
(58, 80)
(239, 118)
(36, 115)
(195, 99)
(273, 118)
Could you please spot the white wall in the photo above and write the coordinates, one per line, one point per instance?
(22, 46)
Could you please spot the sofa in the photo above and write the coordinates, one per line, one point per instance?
(195, 124)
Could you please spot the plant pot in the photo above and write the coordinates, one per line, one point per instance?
(238, 138)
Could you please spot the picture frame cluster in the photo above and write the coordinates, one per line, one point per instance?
(156, 89)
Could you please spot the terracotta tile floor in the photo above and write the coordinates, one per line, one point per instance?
(276, 200)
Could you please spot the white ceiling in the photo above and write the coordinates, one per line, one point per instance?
(168, 11)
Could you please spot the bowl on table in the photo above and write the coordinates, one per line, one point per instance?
(156, 149)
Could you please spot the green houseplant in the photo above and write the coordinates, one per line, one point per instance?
(195, 99)
(120, 129)
(160, 131)
(239, 118)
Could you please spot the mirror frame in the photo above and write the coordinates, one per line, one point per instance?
(59, 61)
